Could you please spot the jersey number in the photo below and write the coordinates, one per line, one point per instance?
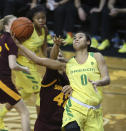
(83, 79)
(60, 99)
(0, 49)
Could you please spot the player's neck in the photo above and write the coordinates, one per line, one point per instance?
(81, 56)
(39, 31)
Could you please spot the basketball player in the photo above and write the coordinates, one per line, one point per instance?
(8, 92)
(87, 73)
(30, 84)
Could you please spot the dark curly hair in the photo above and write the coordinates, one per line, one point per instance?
(31, 13)
(88, 37)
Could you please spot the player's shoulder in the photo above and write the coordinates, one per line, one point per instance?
(98, 56)
(8, 38)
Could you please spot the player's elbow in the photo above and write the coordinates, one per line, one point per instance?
(13, 66)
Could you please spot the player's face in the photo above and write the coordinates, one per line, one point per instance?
(39, 19)
(8, 27)
(80, 41)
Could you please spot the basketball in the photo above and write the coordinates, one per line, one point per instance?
(22, 28)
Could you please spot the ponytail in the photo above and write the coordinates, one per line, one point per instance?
(90, 49)
(4, 22)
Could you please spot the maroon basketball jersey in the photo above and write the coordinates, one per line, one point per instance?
(52, 101)
(7, 47)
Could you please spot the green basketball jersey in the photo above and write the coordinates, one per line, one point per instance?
(79, 74)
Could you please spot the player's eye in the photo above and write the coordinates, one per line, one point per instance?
(74, 38)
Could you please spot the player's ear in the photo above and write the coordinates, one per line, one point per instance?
(6, 27)
(88, 42)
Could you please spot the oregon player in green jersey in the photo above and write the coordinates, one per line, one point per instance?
(30, 84)
(87, 72)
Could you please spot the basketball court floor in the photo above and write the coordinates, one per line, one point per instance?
(114, 103)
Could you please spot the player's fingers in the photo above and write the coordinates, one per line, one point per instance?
(70, 94)
(63, 42)
(95, 88)
(90, 80)
(68, 91)
(65, 88)
(54, 38)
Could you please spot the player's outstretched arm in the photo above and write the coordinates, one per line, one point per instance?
(58, 41)
(53, 64)
(105, 79)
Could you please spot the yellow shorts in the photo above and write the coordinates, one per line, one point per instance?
(30, 83)
(87, 119)
(26, 96)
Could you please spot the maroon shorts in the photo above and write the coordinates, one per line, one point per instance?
(45, 126)
(8, 92)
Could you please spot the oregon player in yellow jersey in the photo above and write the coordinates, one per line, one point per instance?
(31, 83)
(87, 72)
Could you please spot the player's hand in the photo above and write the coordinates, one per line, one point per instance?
(58, 40)
(26, 69)
(17, 42)
(94, 83)
(67, 90)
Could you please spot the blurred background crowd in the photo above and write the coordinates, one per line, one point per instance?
(104, 20)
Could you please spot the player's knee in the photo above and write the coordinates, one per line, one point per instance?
(72, 126)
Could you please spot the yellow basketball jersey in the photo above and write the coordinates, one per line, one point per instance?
(34, 44)
(79, 74)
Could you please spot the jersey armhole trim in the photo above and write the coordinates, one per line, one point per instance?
(50, 84)
(91, 54)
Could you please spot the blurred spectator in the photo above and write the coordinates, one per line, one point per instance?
(33, 3)
(64, 17)
(118, 15)
(18, 7)
(2, 6)
(97, 13)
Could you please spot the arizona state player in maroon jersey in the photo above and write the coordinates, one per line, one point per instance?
(8, 92)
